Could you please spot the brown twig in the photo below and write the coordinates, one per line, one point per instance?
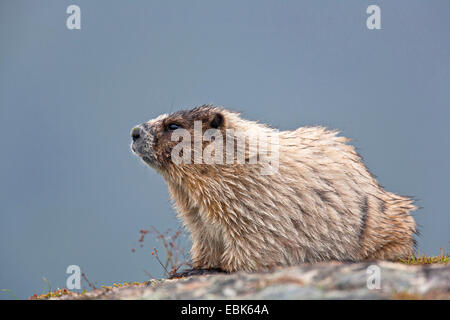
(175, 254)
(91, 285)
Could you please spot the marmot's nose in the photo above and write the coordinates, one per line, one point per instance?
(136, 133)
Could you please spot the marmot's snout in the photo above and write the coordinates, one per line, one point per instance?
(142, 144)
(138, 137)
(136, 133)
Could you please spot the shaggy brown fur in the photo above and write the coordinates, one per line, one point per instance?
(322, 204)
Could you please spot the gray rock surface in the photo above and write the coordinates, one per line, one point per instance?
(315, 281)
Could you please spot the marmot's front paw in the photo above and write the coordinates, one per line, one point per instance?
(195, 272)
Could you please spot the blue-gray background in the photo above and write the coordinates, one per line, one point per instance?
(72, 193)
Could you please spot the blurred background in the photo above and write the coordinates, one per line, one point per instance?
(71, 192)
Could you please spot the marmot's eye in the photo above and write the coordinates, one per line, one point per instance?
(173, 126)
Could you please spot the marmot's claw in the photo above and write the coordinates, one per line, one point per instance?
(195, 272)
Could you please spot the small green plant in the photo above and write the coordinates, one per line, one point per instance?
(417, 259)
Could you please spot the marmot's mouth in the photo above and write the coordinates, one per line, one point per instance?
(138, 150)
(141, 152)
(148, 160)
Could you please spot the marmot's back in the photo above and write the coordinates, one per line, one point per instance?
(360, 215)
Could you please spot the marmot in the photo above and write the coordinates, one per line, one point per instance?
(322, 203)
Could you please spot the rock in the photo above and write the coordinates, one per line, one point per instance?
(310, 281)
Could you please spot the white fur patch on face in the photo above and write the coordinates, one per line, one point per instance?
(158, 118)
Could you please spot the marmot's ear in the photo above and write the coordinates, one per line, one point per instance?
(217, 120)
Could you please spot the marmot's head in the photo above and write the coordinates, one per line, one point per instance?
(153, 141)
